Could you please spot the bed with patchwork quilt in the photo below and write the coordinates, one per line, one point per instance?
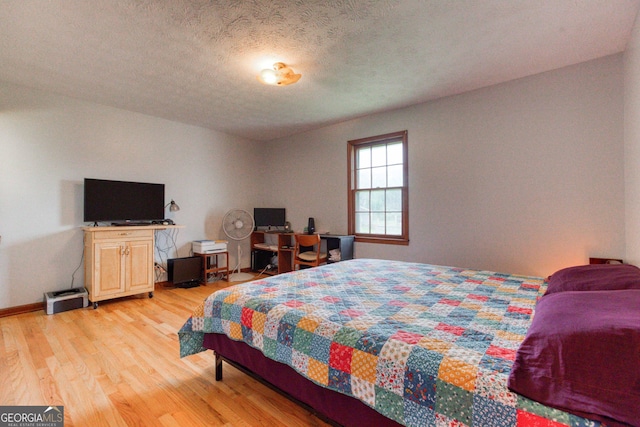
(414, 344)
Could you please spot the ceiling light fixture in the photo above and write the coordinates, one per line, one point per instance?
(279, 75)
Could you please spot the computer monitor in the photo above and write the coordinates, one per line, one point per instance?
(269, 217)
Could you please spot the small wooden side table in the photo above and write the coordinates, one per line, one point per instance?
(211, 265)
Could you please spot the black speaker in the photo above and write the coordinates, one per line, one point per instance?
(312, 226)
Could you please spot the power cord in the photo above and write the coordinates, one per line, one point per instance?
(268, 267)
(78, 268)
(165, 241)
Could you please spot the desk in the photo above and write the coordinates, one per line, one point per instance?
(210, 265)
(266, 244)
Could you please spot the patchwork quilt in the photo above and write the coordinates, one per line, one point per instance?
(424, 345)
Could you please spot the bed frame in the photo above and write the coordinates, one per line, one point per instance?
(332, 407)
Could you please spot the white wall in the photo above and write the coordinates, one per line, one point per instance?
(524, 177)
(49, 144)
(632, 144)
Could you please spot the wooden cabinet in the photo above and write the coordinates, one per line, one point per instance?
(118, 262)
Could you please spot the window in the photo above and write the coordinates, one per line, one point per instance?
(378, 189)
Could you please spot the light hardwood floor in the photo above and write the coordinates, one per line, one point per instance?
(119, 365)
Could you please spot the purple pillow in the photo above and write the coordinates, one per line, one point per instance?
(595, 277)
(581, 355)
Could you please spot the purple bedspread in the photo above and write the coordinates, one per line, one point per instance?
(582, 355)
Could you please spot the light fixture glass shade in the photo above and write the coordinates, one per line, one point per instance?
(173, 206)
(280, 75)
(268, 76)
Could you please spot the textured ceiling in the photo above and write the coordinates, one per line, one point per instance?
(196, 61)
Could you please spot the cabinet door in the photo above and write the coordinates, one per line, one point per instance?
(139, 266)
(108, 268)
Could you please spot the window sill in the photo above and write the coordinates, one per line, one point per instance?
(382, 240)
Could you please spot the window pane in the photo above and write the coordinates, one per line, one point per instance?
(379, 155)
(362, 201)
(394, 223)
(378, 189)
(364, 158)
(364, 178)
(394, 153)
(395, 176)
(377, 223)
(394, 200)
(379, 177)
(362, 223)
(377, 200)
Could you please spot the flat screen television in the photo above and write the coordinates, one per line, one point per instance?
(269, 217)
(122, 201)
(185, 272)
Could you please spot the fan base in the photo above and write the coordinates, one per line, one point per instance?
(241, 277)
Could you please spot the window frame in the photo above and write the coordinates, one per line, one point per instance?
(352, 148)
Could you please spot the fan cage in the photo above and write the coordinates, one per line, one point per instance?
(238, 224)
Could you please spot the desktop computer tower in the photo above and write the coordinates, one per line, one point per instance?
(260, 259)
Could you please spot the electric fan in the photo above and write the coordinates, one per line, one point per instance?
(238, 225)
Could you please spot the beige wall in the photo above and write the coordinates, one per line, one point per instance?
(49, 144)
(524, 177)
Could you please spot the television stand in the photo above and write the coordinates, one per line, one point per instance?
(118, 262)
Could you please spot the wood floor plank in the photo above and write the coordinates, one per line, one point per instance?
(14, 389)
(120, 365)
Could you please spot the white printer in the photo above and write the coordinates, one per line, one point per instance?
(209, 246)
